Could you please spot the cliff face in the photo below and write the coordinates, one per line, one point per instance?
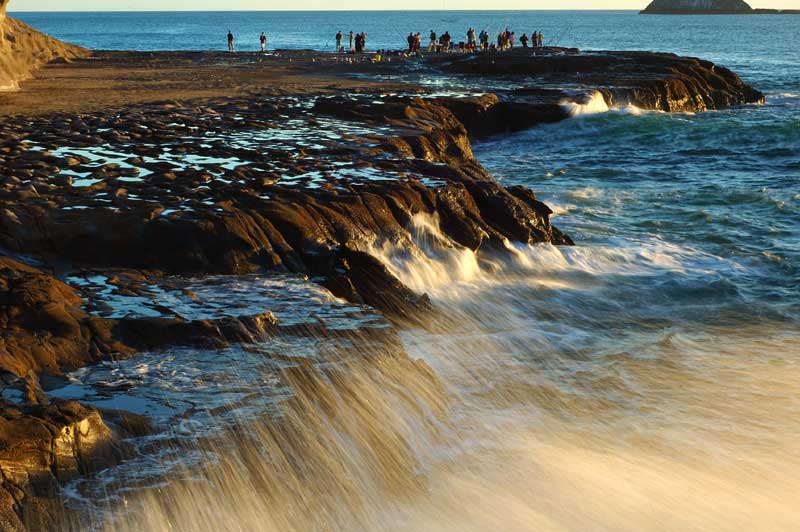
(23, 49)
(3, 5)
(698, 7)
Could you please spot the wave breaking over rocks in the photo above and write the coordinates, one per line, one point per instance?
(115, 222)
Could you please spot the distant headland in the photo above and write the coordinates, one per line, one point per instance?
(710, 7)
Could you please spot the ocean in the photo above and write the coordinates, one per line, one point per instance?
(646, 379)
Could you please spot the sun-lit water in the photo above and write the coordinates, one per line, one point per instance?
(646, 379)
(734, 38)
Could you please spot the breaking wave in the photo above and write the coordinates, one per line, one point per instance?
(594, 103)
(646, 380)
(555, 389)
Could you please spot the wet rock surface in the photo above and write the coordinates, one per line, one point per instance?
(50, 327)
(114, 206)
(45, 330)
(238, 187)
(658, 81)
(133, 231)
(43, 446)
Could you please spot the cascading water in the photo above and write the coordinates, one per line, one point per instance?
(549, 394)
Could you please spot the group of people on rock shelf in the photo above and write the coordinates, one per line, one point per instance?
(358, 42)
(536, 40)
(505, 41)
(444, 43)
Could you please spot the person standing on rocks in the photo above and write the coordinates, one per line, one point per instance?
(361, 42)
(351, 40)
(263, 40)
(524, 40)
(471, 42)
(432, 44)
(339, 41)
(230, 41)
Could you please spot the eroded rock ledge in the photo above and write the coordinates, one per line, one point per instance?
(311, 209)
(44, 441)
(43, 446)
(655, 81)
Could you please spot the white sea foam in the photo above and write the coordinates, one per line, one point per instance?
(595, 104)
(586, 193)
(552, 398)
(432, 259)
(559, 209)
(429, 262)
(630, 110)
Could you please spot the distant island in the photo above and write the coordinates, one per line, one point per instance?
(709, 7)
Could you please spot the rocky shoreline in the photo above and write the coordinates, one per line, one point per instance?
(270, 177)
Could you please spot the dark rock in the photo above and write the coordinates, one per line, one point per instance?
(44, 329)
(40, 448)
(692, 7)
(647, 80)
(379, 288)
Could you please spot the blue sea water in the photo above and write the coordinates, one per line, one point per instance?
(734, 40)
(665, 345)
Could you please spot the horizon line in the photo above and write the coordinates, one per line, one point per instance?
(311, 10)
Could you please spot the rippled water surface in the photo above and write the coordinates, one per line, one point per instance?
(645, 379)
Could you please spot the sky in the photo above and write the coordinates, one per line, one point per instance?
(323, 5)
